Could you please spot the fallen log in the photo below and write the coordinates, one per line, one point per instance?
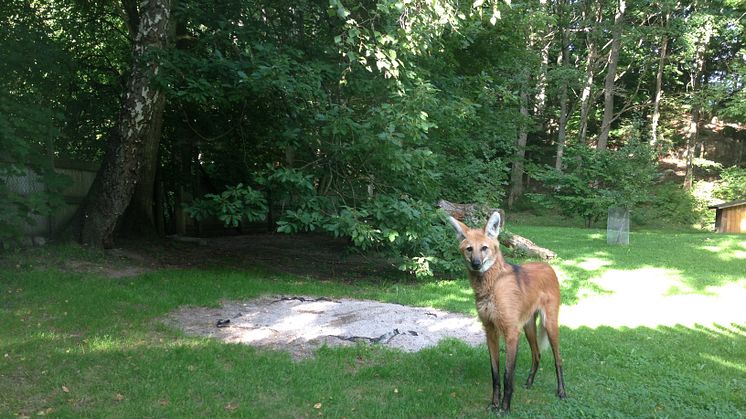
(474, 214)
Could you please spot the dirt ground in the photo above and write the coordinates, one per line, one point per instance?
(302, 324)
(306, 255)
(297, 324)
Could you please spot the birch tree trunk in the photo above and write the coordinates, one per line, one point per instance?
(121, 169)
(616, 46)
(141, 217)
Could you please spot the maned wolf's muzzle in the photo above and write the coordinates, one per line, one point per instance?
(476, 264)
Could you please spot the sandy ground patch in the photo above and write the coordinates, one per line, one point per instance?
(301, 324)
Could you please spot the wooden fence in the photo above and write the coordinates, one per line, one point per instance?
(81, 175)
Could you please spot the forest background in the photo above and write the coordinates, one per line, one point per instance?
(354, 118)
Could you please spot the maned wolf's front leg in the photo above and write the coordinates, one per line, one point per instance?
(511, 350)
(493, 344)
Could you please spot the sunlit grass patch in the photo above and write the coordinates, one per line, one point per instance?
(728, 249)
(727, 363)
(653, 297)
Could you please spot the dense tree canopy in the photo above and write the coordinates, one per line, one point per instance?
(354, 117)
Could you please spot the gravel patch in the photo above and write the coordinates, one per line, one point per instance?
(301, 324)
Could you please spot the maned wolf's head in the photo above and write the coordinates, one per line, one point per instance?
(479, 247)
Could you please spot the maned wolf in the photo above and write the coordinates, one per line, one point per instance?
(509, 297)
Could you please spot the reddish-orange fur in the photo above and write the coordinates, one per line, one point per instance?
(510, 298)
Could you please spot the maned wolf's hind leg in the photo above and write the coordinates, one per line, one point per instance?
(530, 330)
(552, 326)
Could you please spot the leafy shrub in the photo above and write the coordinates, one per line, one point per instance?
(671, 204)
(732, 184)
(232, 206)
(592, 181)
(410, 230)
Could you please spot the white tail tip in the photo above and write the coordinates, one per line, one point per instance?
(543, 338)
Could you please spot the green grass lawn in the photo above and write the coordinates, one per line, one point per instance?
(79, 344)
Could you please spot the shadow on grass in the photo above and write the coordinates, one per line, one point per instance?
(641, 372)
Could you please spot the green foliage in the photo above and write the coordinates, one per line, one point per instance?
(18, 211)
(29, 118)
(360, 149)
(234, 205)
(284, 186)
(592, 181)
(335, 110)
(672, 205)
(732, 184)
(412, 231)
(24, 165)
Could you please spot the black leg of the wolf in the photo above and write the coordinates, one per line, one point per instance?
(511, 349)
(530, 330)
(493, 344)
(494, 405)
(553, 334)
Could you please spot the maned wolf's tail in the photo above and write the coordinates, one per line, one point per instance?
(543, 338)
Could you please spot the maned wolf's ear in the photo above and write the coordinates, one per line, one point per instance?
(492, 228)
(459, 227)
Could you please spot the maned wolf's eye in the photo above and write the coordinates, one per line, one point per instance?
(469, 248)
(484, 248)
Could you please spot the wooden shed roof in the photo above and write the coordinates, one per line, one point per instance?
(728, 204)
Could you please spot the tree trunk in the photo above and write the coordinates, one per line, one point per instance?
(160, 204)
(561, 131)
(691, 139)
(590, 70)
(694, 81)
(516, 171)
(585, 97)
(616, 46)
(541, 82)
(140, 217)
(659, 90)
(544, 39)
(122, 166)
(131, 18)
